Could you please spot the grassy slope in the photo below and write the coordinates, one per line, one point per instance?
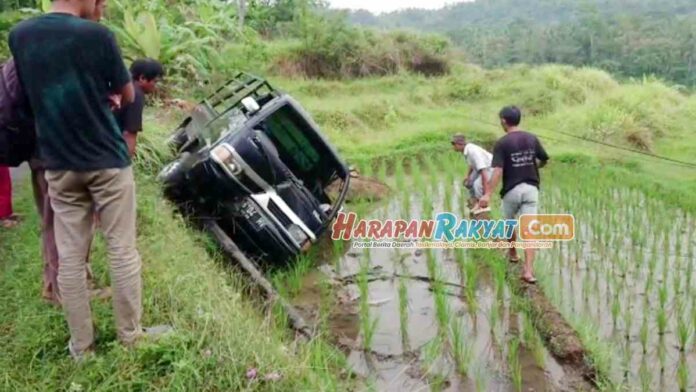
(220, 332)
(404, 115)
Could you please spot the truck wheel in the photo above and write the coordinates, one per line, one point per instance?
(173, 177)
(178, 139)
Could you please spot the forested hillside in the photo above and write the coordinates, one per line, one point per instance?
(627, 37)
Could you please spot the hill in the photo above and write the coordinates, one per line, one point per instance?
(627, 37)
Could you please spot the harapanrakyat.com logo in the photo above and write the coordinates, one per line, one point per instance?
(447, 230)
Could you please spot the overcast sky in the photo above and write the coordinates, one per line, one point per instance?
(378, 6)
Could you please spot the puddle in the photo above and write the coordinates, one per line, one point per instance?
(410, 349)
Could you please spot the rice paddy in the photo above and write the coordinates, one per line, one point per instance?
(445, 319)
(629, 276)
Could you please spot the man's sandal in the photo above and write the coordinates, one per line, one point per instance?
(531, 280)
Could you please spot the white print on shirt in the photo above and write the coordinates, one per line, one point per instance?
(523, 158)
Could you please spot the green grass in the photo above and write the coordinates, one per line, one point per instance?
(221, 330)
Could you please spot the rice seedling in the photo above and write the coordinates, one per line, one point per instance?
(661, 320)
(533, 341)
(645, 376)
(481, 380)
(643, 334)
(683, 375)
(494, 320)
(431, 354)
(427, 205)
(513, 356)
(442, 309)
(403, 313)
(462, 351)
(683, 331)
(471, 273)
(368, 325)
(615, 309)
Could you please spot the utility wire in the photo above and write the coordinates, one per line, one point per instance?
(589, 140)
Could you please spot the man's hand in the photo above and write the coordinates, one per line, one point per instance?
(484, 201)
(115, 102)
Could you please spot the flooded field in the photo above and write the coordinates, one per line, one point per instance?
(428, 319)
(434, 319)
(629, 277)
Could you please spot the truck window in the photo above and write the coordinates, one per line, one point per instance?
(285, 128)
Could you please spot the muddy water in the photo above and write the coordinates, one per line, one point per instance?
(416, 357)
(605, 276)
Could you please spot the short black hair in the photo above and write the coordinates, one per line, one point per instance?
(512, 115)
(147, 68)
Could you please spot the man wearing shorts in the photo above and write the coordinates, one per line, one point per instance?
(517, 157)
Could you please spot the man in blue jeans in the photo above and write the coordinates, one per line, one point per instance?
(517, 157)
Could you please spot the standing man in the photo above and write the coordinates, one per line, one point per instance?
(49, 250)
(68, 67)
(479, 175)
(517, 157)
(146, 73)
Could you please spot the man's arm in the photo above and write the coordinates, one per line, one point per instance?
(132, 115)
(115, 71)
(131, 140)
(497, 163)
(492, 185)
(484, 180)
(127, 94)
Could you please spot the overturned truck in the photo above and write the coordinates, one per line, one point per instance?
(253, 161)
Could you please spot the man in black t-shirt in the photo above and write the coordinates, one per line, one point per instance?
(146, 73)
(68, 67)
(517, 157)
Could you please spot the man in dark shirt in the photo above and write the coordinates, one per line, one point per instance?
(146, 73)
(69, 66)
(517, 157)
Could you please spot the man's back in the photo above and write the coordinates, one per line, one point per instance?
(516, 153)
(68, 67)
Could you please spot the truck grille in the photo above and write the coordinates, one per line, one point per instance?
(279, 214)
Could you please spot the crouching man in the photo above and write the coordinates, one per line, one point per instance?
(146, 73)
(479, 175)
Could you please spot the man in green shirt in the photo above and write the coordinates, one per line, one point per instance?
(69, 66)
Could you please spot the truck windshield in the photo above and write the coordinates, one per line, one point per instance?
(230, 122)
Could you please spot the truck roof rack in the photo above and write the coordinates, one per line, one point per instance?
(242, 85)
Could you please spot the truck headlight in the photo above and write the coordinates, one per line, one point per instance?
(222, 154)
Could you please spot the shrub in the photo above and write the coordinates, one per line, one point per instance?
(329, 48)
